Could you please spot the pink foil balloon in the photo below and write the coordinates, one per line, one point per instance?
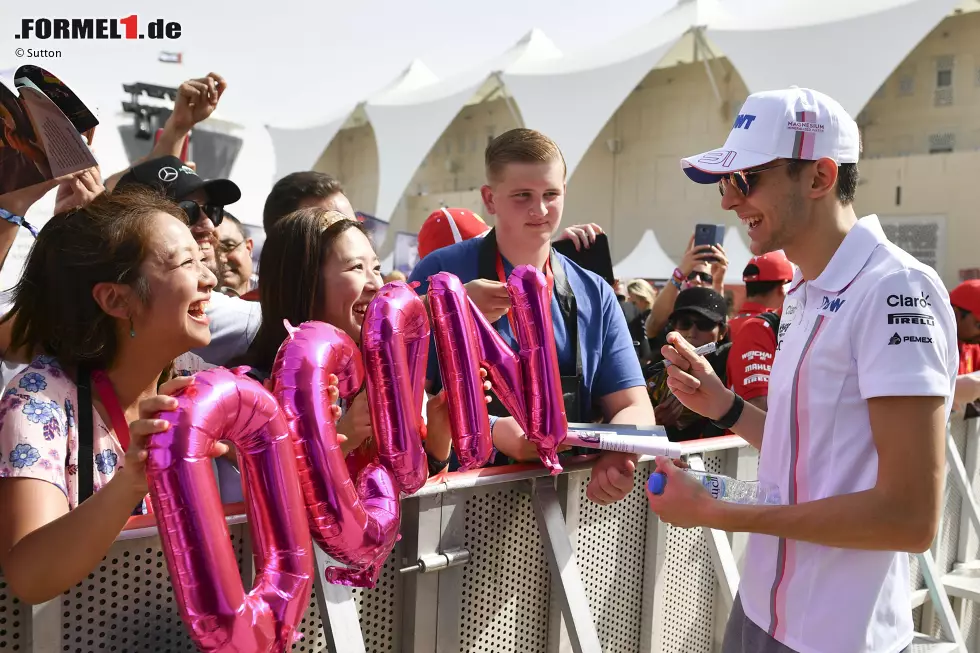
(544, 402)
(527, 383)
(395, 345)
(458, 350)
(220, 616)
(355, 523)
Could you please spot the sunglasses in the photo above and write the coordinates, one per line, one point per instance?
(686, 322)
(744, 180)
(705, 277)
(194, 211)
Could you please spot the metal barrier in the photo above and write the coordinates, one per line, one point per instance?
(509, 559)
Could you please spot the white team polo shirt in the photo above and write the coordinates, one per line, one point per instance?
(875, 323)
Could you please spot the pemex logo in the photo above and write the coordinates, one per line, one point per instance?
(895, 340)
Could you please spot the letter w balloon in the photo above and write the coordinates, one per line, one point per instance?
(527, 383)
(220, 616)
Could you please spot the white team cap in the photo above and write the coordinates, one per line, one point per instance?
(793, 123)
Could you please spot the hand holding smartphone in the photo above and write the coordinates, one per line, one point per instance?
(709, 234)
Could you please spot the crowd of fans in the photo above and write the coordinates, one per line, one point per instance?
(134, 286)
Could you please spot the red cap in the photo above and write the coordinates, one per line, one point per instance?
(447, 227)
(967, 296)
(773, 266)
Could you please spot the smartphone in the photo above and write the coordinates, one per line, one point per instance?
(709, 234)
(183, 150)
(596, 258)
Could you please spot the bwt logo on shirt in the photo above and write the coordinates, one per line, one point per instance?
(911, 318)
(832, 305)
(922, 301)
(743, 121)
(96, 28)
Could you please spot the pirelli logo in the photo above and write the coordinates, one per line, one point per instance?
(923, 319)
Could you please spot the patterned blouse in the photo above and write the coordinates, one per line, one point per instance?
(39, 435)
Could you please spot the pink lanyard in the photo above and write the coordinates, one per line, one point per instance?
(107, 395)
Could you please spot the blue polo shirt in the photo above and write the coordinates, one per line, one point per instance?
(609, 361)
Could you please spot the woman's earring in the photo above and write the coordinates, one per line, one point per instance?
(132, 331)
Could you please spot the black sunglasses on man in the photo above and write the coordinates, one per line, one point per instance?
(194, 212)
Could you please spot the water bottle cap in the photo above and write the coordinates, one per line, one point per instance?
(657, 483)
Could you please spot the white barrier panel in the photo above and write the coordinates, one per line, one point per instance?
(647, 587)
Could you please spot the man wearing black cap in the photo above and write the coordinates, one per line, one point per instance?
(234, 322)
(202, 201)
(700, 315)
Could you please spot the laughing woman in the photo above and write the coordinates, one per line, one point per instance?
(321, 265)
(110, 295)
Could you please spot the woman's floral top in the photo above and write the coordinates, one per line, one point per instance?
(39, 433)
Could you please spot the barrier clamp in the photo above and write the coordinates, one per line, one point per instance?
(439, 561)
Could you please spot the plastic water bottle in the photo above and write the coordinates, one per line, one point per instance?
(724, 488)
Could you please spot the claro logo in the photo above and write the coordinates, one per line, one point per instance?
(922, 301)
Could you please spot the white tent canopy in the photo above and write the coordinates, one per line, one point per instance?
(408, 123)
(298, 149)
(572, 98)
(858, 49)
(648, 260)
(738, 255)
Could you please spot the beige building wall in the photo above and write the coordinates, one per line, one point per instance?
(913, 113)
(630, 179)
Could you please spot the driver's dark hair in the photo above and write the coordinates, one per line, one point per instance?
(847, 178)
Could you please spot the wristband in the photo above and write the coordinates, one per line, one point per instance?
(727, 421)
(13, 218)
(435, 465)
(675, 283)
(678, 275)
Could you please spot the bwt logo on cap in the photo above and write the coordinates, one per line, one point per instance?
(743, 121)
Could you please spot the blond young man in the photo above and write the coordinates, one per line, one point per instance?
(601, 375)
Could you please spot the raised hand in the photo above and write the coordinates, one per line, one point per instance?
(695, 255)
(196, 101)
(491, 297)
(148, 425)
(582, 235)
(78, 190)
